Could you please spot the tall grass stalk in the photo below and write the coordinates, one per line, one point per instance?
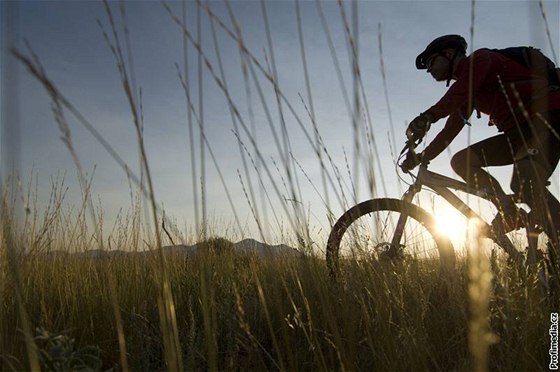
(236, 111)
(8, 253)
(311, 110)
(87, 203)
(480, 292)
(166, 302)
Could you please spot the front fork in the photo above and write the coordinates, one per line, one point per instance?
(396, 246)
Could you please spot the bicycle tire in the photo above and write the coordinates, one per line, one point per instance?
(419, 215)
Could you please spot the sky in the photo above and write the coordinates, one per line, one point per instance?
(243, 151)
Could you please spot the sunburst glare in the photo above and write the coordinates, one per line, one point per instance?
(451, 223)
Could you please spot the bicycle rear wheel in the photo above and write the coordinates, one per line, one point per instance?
(368, 229)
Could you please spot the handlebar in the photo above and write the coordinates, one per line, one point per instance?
(410, 150)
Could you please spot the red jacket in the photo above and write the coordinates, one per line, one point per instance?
(489, 68)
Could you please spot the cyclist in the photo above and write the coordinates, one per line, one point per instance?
(523, 107)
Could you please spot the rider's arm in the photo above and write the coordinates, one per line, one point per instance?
(451, 129)
(455, 103)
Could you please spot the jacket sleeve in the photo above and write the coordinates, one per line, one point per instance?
(455, 102)
(452, 127)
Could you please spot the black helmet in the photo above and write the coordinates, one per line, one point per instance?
(456, 42)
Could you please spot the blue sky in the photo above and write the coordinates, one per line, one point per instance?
(67, 39)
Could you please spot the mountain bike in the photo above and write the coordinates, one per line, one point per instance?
(397, 228)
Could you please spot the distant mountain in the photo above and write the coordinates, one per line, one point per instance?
(253, 246)
(246, 245)
(180, 249)
(98, 253)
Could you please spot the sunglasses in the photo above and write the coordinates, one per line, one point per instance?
(430, 61)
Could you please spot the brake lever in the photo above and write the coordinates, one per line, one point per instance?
(410, 145)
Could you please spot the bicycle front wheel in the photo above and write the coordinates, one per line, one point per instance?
(369, 228)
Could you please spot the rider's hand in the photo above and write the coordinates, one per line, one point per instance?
(411, 161)
(419, 126)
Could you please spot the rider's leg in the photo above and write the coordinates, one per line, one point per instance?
(532, 172)
(529, 183)
(469, 163)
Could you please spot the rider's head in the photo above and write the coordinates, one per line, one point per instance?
(440, 56)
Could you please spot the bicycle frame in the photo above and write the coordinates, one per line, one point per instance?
(441, 185)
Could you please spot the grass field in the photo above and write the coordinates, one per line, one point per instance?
(242, 312)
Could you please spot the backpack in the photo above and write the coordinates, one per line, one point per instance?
(536, 61)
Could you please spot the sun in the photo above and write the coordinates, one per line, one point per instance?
(451, 223)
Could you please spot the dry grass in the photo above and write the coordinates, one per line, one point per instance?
(237, 311)
(225, 310)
